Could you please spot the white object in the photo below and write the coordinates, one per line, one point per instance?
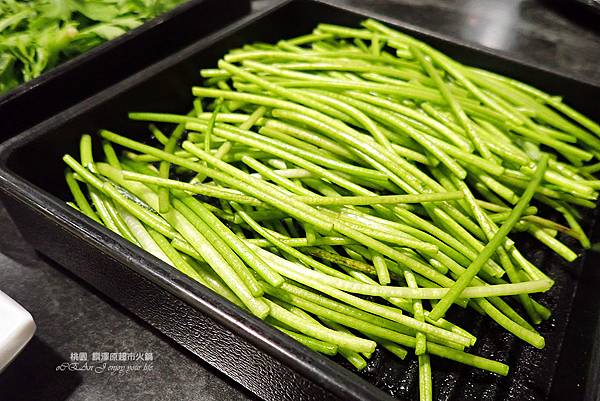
(16, 329)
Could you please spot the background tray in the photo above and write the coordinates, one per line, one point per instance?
(112, 61)
(263, 360)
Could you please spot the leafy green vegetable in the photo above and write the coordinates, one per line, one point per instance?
(40, 34)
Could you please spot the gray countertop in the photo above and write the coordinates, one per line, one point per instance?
(73, 318)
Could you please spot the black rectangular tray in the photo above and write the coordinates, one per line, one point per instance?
(263, 360)
(74, 80)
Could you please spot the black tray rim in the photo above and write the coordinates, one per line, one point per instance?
(69, 65)
(313, 366)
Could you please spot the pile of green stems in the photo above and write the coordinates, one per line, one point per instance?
(349, 186)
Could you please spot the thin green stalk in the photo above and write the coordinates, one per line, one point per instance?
(123, 229)
(381, 268)
(237, 245)
(353, 357)
(200, 189)
(351, 320)
(141, 235)
(274, 198)
(110, 154)
(85, 151)
(221, 246)
(465, 279)
(100, 205)
(421, 346)
(322, 347)
(141, 212)
(380, 199)
(197, 239)
(345, 340)
(79, 197)
(317, 280)
(558, 247)
(457, 110)
(163, 193)
(425, 383)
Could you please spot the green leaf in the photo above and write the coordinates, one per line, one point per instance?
(6, 62)
(39, 34)
(13, 20)
(128, 22)
(55, 10)
(98, 10)
(107, 32)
